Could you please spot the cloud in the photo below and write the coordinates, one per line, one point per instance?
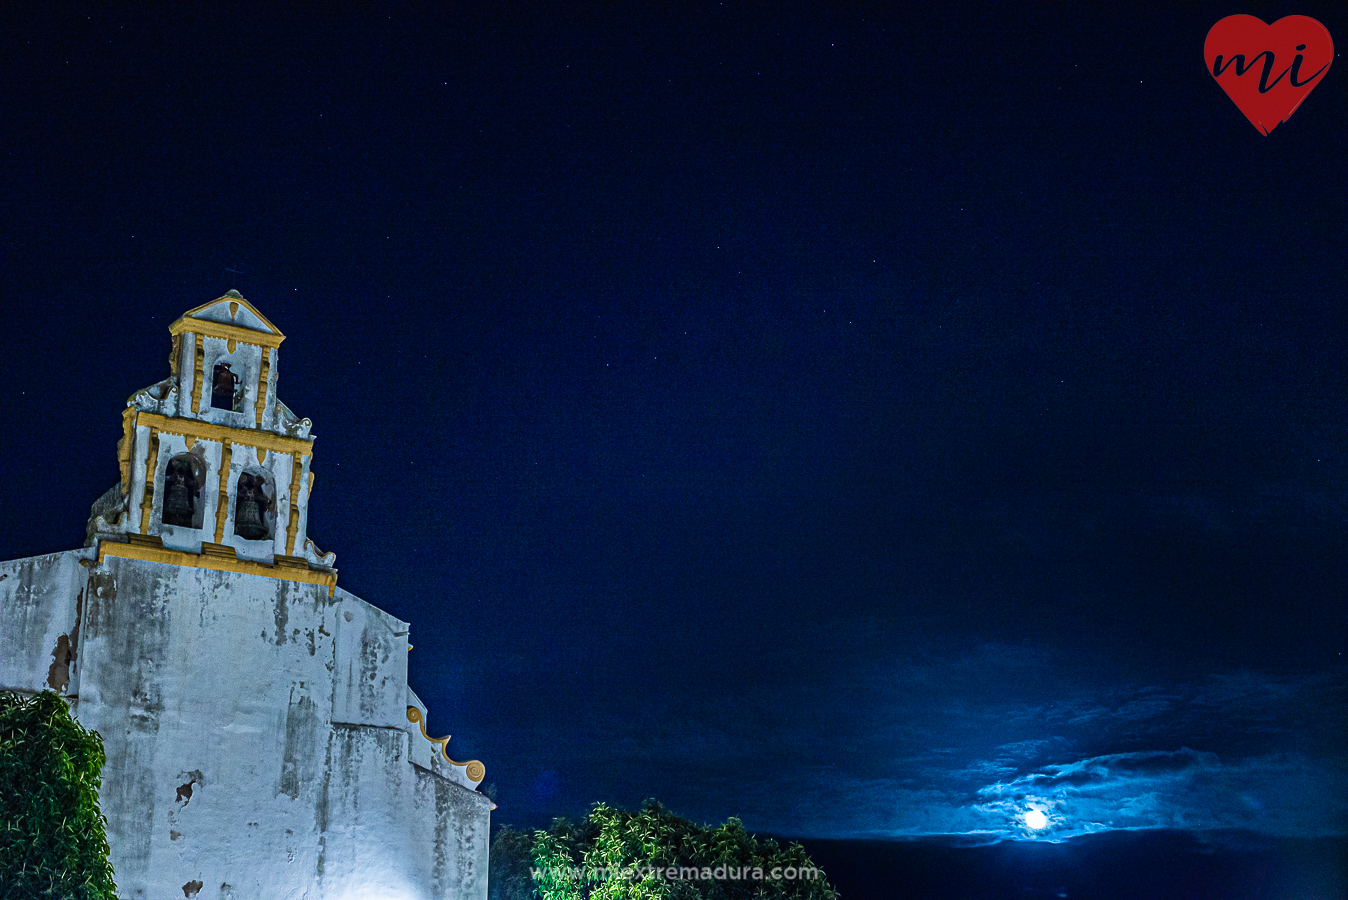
(935, 740)
(1028, 749)
(1105, 768)
(1268, 760)
(1285, 795)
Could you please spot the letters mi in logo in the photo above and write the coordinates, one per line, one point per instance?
(1268, 69)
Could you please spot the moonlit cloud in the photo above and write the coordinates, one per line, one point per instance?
(968, 743)
(1285, 795)
(1266, 765)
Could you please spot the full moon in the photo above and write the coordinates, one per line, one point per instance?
(1036, 820)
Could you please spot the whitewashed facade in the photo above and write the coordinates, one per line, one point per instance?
(262, 740)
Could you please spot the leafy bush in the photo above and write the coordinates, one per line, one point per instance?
(53, 841)
(652, 854)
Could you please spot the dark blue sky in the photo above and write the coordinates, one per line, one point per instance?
(864, 423)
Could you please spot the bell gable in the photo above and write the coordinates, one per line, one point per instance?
(215, 469)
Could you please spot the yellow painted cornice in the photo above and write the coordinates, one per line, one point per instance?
(233, 297)
(227, 332)
(209, 431)
(473, 769)
(151, 550)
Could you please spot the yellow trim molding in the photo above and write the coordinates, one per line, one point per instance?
(199, 387)
(474, 769)
(151, 476)
(260, 440)
(219, 557)
(207, 328)
(235, 301)
(222, 503)
(293, 527)
(261, 387)
(125, 446)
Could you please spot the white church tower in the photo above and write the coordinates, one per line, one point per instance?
(261, 738)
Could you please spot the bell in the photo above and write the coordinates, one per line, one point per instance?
(223, 385)
(248, 520)
(252, 506)
(178, 505)
(180, 493)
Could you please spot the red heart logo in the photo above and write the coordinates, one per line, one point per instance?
(1268, 69)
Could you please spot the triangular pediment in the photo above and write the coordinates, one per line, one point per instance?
(231, 309)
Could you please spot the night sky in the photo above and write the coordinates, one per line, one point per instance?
(868, 423)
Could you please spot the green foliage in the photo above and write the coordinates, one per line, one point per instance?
(53, 842)
(618, 855)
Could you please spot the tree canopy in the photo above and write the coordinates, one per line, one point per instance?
(53, 838)
(652, 854)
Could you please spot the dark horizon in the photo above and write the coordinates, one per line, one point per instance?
(1115, 865)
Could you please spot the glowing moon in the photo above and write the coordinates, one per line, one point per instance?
(1035, 820)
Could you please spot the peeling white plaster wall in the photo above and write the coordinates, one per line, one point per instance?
(256, 732)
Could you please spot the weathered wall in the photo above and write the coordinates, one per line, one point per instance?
(41, 604)
(256, 730)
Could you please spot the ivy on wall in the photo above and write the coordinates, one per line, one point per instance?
(53, 838)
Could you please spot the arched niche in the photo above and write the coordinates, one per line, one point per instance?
(227, 390)
(255, 505)
(184, 485)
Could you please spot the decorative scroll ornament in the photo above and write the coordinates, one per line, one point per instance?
(473, 768)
